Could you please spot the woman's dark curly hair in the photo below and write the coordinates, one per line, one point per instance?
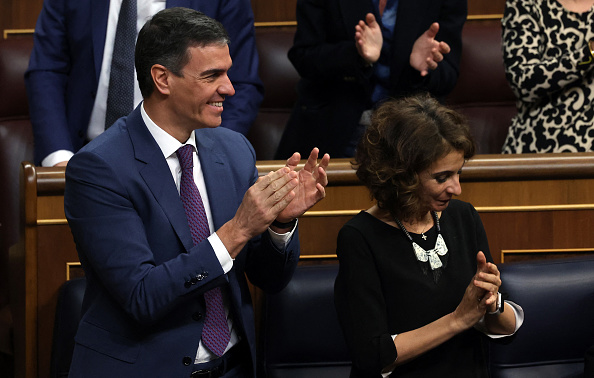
(406, 137)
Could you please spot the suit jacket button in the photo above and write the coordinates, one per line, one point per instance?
(197, 316)
(187, 361)
(194, 280)
(187, 284)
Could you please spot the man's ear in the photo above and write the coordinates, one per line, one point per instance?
(160, 76)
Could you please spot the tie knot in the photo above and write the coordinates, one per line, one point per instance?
(184, 154)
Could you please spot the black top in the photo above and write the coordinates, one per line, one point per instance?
(382, 289)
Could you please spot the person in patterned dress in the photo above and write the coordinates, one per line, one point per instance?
(549, 62)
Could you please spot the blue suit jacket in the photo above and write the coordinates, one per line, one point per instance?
(66, 61)
(145, 278)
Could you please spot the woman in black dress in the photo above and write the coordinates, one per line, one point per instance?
(417, 290)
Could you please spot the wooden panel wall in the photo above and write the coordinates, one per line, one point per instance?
(22, 14)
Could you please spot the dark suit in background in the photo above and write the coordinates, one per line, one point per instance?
(335, 86)
(66, 62)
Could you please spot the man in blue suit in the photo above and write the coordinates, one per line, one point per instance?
(144, 309)
(69, 69)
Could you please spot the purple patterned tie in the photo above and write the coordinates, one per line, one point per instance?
(215, 334)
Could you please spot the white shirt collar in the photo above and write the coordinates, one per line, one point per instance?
(167, 143)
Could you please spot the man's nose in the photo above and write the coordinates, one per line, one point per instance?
(227, 88)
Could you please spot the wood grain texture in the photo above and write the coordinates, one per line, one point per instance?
(22, 14)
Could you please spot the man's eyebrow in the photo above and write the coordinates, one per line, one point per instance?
(214, 71)
(210, 72)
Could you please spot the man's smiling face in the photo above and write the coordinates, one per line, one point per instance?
(199, 93)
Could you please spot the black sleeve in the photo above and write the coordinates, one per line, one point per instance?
(360, 305)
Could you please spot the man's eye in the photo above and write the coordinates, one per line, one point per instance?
(441, 179)
(211, 77)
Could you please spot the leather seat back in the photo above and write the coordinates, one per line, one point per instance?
(482, 92)
(279, 78)
(16, 143)
(558, 300)
(301, 336)
(68, 311)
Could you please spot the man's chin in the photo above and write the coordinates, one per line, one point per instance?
(210, 125)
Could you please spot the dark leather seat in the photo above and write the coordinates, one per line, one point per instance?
(68, 311)
(279, 78)
(300, 334)
(16, 142)
(16, 145)
(482, 92)
(558, 300)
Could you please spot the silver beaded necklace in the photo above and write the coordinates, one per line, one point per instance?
(431, 255)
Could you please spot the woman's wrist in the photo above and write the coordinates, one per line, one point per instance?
(499, 306)
(458, 323)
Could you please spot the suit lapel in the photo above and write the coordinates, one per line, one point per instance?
(407, 27)
(406, 32)
(155, 172)
(223, 197)
(99, 13)
(354, 11)
(220, 185)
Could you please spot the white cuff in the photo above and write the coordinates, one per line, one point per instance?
(221, 252)
(56, 157)
(519, 314)
(280, 241)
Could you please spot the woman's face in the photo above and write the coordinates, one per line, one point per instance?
(441, 181)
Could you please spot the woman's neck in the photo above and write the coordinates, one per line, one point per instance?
(415, 224)
(418, 224)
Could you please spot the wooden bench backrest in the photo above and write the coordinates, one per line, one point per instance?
(533, 207)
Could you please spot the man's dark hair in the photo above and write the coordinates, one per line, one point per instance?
(165, 40)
